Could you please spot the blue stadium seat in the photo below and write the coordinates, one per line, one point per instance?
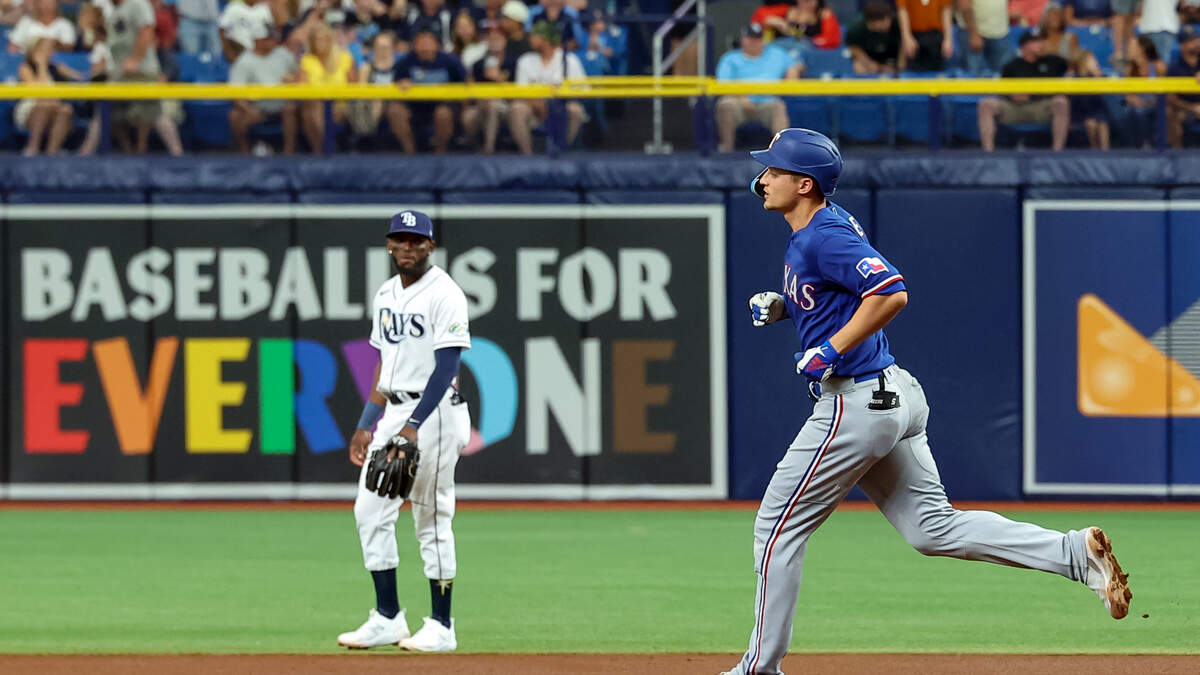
(828, 63)
(910, 118)
(207, 123)
(963, 120)
(202, 68)
(811, 112)
(1097, 39)
(8, 66)
(77, 61)
(6, 123)
(862, 119)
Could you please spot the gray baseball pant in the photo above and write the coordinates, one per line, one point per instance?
(887, 454)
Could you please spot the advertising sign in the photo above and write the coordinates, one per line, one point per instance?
(221, 351)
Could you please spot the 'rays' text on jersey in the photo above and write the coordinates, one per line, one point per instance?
(396, 326)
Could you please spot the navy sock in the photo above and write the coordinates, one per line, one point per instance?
(439, 593)
(386, 601)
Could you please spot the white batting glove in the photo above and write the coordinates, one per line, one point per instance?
(767, 307)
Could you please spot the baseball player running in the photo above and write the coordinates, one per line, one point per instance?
(419, 326)
(868, 422)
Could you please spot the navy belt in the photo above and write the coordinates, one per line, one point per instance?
(814, 388)
(398, 397)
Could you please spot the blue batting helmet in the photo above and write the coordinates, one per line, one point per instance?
(803, 151)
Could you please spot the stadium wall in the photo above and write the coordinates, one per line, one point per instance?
(974, 236)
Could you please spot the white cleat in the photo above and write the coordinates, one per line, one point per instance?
(1104, 574)
(376, 632)
(433, 637)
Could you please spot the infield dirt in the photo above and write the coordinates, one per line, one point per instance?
(391, 663)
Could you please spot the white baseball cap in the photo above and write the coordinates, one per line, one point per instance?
(515, 10)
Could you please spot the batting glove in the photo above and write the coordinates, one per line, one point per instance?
(766, 307)
(817, 363)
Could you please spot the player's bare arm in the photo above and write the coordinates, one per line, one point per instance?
(362, 435)
(875, 312)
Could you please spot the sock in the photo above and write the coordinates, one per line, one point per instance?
(439, 593)
(387, 602)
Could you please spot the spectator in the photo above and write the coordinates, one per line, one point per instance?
(1124, 14)
(1183, 108)
(546, 64)
(926, 33)
(377, 71)
(89, 26)
(566, 19)
(43, 21)
(35, 116)
(93, 40)
(1084, 13)
(324, 63)
(488, 16)
(801, 19)
(468, 45)
(431, 15)
(1026, 13)
(11, 11)
(597, 53)
(130, 32)
(237, 23)
(198, 26)
(493, 67)
(1032, 61)
(425, 64)
(266, 63)
(874, 41)
(987, 34)
(1058, 39)
(166, 38)
(1141, 110)
(753, 62)
(367, 18)
(1090, 109)
(1160, 23)
(514, 14)
(1189, 12)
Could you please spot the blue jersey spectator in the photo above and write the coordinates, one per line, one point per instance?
(1182, 108)
(1087, 12)
(754, 62)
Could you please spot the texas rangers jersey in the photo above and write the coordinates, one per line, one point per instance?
(829, 268)
(409, 324)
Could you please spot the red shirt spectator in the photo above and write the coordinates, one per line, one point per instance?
(809, 19)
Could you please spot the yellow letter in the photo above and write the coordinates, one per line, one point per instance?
(207, 394)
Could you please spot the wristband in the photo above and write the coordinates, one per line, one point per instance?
(370, 415)
(414, 422)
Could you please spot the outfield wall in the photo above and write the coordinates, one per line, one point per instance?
(194, 328)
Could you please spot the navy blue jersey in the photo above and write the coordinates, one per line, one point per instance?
(443, 69)
(828, 270)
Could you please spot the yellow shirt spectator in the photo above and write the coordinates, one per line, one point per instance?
(316, 72)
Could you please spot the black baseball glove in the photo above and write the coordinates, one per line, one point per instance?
(393, 468)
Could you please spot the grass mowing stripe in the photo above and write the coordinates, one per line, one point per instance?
(565, 581)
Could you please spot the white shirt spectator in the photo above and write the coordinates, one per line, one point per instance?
(239, 18)
(252, 68)
(991, 18)
(29, 30)
(1159, 16)
(531, 69)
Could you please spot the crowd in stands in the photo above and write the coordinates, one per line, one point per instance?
(382, 42)
(406, 43)
(979, 38)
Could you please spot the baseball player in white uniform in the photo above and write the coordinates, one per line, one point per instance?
(419, 325)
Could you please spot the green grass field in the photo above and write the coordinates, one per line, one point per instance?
(565, 581)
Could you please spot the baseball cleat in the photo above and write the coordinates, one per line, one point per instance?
(1105, 575)
(376, 632)
(433, 637)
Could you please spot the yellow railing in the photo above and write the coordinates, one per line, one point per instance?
(609, 87)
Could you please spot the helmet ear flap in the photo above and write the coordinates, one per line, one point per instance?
(756, 187)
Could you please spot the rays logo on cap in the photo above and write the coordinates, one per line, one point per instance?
(408, 219)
